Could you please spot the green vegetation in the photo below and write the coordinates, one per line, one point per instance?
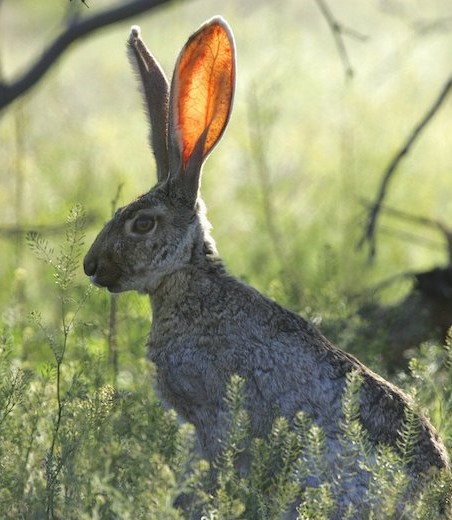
(80, 439)
(82, 434)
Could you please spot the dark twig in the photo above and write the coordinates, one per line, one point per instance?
(410, 217)
(115, 199)
(412, 238)
(438, 225)
(259, 139)
(113, 318)
(1, 48)
(83, 2)
(338, 31)
(415, 219)
(15, 231)
(424, 27)
(79, 29)
(369, 234)
(388, 282)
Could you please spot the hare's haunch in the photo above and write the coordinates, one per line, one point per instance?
(207, 325)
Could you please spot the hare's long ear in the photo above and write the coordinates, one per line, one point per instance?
(156, 93)
(202, 92)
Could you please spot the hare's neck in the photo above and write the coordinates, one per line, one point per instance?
(186, 288)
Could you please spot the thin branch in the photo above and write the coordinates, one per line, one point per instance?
(79, 29)
(412, 238)
(11, 232)
(424, 27)
(338, 31)
(113, 319)
(387, 282)
(263, 169)
(83, 2)
(438, 225)
(1, 53)
(410, 217)
(259, 139)
(370, 231)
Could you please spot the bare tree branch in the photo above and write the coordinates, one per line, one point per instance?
(79, 29)
(15, 231)
(424, 27)
(414, 219)
(258, 140)
(1, 44)
(370, 231)
(438, 225)
(410, 217)
(83, 2)
(338, 32)
(412, 238)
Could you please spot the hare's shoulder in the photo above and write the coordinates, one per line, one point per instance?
(285, 361)
(222, 321)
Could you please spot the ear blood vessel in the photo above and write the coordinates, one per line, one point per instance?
(207, 325)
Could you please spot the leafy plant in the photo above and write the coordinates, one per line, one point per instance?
(77, 441)
(280, 464)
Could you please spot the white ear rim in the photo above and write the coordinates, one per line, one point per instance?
(154, 87)
(135, 32)
(174, 132)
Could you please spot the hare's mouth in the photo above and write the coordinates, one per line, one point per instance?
(94, 281)
(110, 286)
(114, 289)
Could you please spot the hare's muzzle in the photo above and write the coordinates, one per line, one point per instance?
(102, 271)
(90, 268)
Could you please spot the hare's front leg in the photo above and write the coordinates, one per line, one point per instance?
(193, 388)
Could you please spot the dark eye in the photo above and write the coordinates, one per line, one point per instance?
(143, 224)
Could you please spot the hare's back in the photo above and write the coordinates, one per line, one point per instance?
(290, 366)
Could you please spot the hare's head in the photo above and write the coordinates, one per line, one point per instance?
(165, 229)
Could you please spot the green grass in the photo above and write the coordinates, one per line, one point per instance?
(84, 437)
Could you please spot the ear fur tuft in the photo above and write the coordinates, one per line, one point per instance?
(135, 32)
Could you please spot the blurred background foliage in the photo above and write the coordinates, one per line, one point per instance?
(81, 133)
(308, 141)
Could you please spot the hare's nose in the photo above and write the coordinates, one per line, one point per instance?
(90, 265)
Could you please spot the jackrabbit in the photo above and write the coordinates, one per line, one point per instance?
(207, 325)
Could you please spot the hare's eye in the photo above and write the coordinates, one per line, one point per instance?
(143, 224)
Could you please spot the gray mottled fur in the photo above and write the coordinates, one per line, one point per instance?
(207, 326)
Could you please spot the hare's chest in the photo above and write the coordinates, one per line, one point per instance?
(188, 381)
(187, 378)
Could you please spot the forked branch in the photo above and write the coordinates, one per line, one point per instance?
(80, 28)
(437, 225)
(370, 231)
(339, 31)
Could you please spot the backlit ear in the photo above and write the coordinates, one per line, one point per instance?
(202, 92)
